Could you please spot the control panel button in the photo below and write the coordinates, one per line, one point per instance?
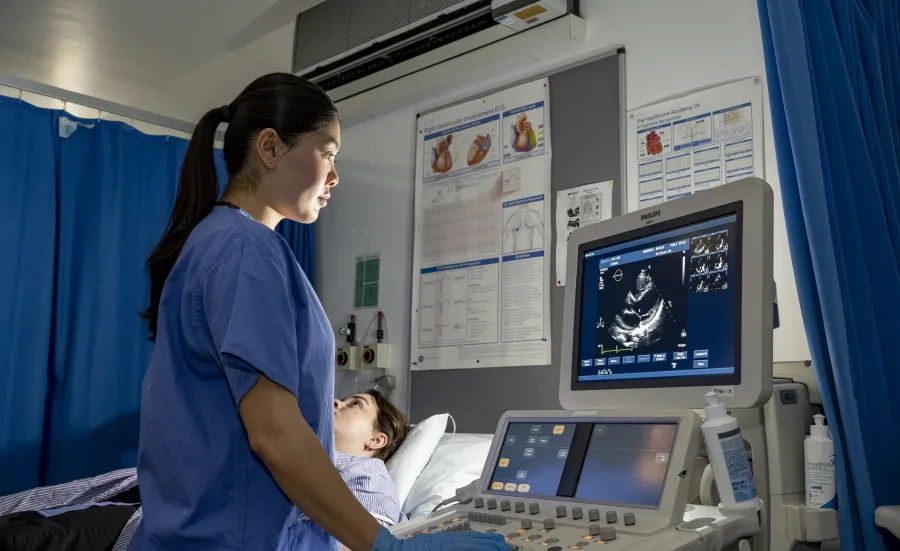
(607, 533)
(577, 514)
(526, 524)
(491, 530)
(593, 515)
(492, 503)
(535, 536)
(504, 505)
(629, 519)
(561, 511)
(611, 517)
(580, 543)
(549, 524)
(594, 529)
(513, 535)
(552, 540)
(520, 507)
(554, 548)
(534, 508)
(479, 502)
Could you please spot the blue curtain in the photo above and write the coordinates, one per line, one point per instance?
(27, 268)
(302, 239)
(115, 188)
(84, 203)
(833, 69)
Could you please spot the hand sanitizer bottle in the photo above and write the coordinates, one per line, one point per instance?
(818, 450)
(727, 455)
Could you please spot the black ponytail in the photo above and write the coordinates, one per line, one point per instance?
(290, 105)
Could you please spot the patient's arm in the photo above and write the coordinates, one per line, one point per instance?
(370, 483)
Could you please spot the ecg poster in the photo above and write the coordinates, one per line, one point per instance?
(482, 241)
(696, 142)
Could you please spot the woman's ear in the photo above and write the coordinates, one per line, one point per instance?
(378, 441)
(268, 147)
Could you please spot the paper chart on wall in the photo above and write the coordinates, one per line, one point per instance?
(576, 208)
(695, 142)
(482, 237)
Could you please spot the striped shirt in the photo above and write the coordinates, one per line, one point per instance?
(373, 487)
(367, 478)
(97, 489)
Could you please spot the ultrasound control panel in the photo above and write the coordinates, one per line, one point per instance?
(572, 480)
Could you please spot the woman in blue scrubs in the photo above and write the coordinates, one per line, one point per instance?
(237, 443)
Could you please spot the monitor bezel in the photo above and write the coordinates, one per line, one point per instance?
(756, 297)
(734, 378)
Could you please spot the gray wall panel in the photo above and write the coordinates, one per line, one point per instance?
(586, 108)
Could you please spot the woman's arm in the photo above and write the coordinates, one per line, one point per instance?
(293, 454)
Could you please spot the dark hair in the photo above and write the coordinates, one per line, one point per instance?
(288, 104)
(391, 422)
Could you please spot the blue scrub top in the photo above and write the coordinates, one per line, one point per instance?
(236, 305)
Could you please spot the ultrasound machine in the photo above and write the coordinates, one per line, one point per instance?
(661, 306)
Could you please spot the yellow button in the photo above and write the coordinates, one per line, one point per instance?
(504, 462)
(510, 487)
(589, 537)
(559, 429)
(524, 488)
(497, 486)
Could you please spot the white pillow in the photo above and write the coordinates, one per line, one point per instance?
(408, 461)
(456, 461)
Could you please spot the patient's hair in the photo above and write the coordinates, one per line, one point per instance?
(391, 422)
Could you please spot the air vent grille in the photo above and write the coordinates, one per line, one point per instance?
(329, 80)
(335, 27)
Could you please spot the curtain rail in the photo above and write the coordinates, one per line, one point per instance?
(101, 105)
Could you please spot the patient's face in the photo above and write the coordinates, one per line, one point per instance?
(354, 426)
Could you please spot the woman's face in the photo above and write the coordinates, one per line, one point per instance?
(300, 184)
(354, 426)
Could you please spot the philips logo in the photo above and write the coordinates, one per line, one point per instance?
(649, 215)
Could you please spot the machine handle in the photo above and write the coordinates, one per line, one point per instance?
(888, 517)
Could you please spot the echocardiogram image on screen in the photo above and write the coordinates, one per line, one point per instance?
(660, 306)
(642, 305)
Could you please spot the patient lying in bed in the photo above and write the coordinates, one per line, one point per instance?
(368, 429)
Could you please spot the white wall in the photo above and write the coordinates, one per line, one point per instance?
(672, 48)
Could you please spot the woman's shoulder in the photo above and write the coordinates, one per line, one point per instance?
(368, 469)
(227, 235)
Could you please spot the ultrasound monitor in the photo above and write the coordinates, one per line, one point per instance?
(665, 303)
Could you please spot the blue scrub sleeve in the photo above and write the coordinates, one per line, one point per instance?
(252, 318)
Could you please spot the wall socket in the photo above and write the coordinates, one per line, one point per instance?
(347, 357)
(378, 355)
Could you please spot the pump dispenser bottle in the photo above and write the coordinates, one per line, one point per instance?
(727, 455)
(818, 450)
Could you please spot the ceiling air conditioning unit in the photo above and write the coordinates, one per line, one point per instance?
(377, 55)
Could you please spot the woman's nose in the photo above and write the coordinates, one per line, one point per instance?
(338, 404)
